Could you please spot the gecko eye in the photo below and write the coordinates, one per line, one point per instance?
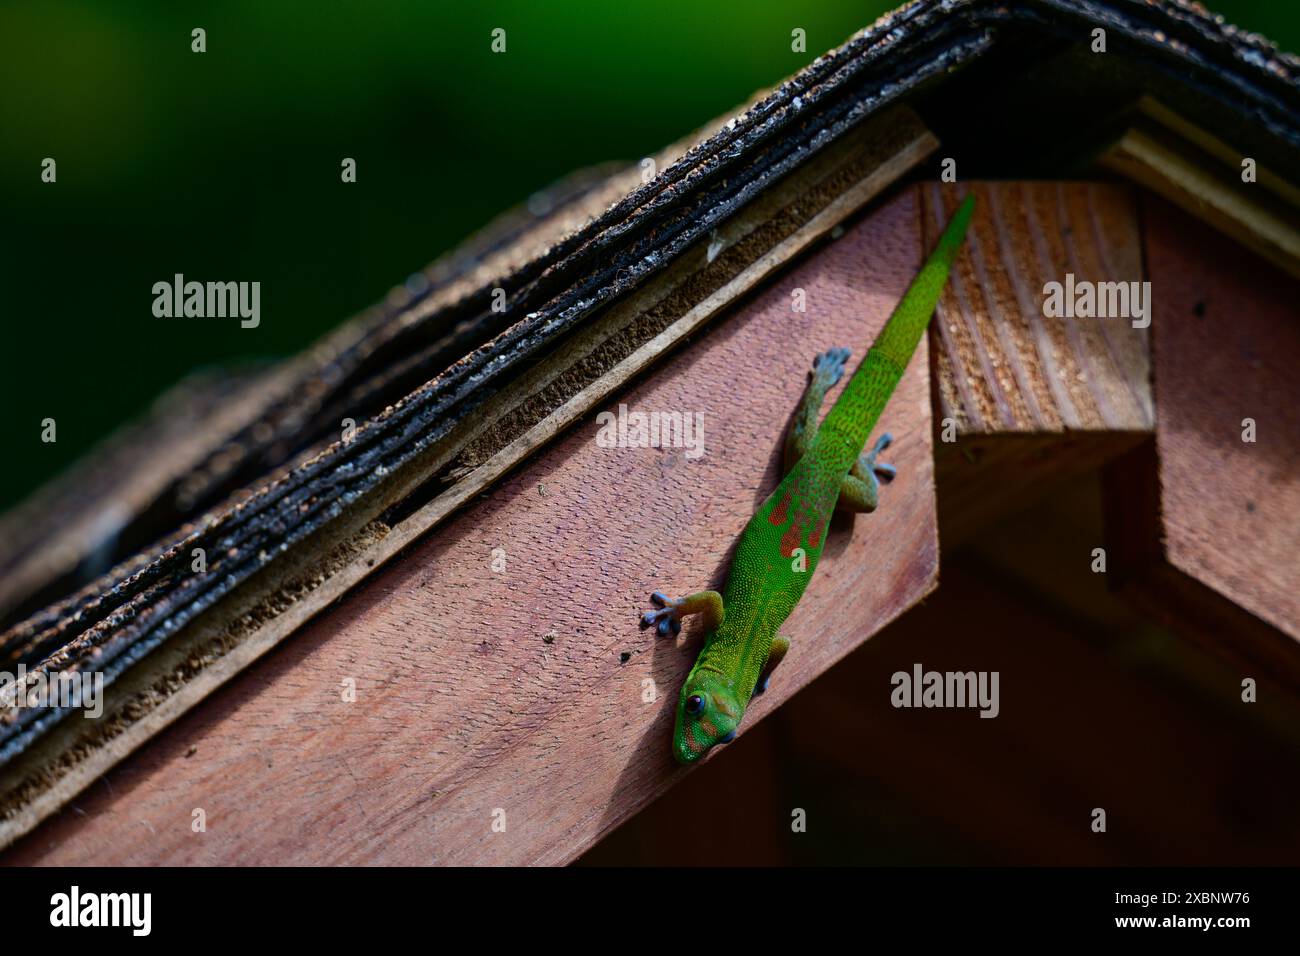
(694, 704)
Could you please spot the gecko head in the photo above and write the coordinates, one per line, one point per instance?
(707, 713)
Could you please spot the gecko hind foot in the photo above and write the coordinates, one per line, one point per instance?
(829, 365)
(667, 619)
(886, 473)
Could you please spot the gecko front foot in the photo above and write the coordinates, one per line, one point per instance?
(828, 366)
(668, 618)
(827, 369)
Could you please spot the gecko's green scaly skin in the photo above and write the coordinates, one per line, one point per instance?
(767, 577)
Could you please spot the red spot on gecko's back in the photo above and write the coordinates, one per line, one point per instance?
(815, 539)
(790, 540)
(781, 512)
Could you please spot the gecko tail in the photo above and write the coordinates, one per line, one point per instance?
(901, 334)
(853, 416)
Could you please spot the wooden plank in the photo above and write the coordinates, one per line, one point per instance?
(463, 706)
(983, 478)
(1210, 147)
(538, 403)
(1138, 569)
(1001, 365)
(1204, 525)
(1227, 341)
(1033, 400)
(1086, 720)
(1202, 174)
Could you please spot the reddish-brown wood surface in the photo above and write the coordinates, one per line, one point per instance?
(1032, 399)
(1003, 367)
(486, 696)
(1187, 775)
(1227, 328)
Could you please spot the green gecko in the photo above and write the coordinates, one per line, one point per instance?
(825, 469)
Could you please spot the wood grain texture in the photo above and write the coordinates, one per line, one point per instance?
(1098, 709)
(570, 382)
(480, 691)
(1001, 365)
(1034, 400)
(1227, 345)
(1083, 723)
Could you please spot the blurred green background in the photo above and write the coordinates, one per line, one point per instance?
(225, 165)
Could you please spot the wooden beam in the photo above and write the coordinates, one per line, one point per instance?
(1004, 367)
(637, 517)
(1204, 522)
(1199, 172)
(1031, 399)
(1086, 720)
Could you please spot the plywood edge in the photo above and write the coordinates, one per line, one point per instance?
(1259, 217)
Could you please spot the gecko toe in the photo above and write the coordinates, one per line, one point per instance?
(667, 619)
(829, 365)
(885, 473)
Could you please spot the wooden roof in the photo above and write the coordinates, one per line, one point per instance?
(474, 363)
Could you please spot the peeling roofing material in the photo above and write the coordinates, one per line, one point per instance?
(415, 366)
